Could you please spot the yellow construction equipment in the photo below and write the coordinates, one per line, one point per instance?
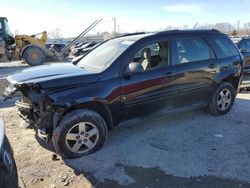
(32, 49)
(23, 40)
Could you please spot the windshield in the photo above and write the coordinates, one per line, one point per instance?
(7, 29)
(104, 55)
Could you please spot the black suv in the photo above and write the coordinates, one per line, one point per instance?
(244, 46)
(127, 77)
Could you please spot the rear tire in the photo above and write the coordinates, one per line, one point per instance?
(33, 56)
(222, 100)
(79, 133)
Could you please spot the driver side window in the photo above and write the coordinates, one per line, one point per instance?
(153, 56)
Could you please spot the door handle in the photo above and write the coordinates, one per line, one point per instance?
(211, 66)
(168, 74)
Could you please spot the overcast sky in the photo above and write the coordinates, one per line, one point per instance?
(71, 16)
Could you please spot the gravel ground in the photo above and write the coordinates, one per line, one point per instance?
(191, 149)
(188, 149)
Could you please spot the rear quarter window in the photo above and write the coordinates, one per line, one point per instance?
(223, 46)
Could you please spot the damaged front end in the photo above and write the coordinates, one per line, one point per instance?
(34, 108)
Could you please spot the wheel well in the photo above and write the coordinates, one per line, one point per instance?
(99, 108)
(234, 81)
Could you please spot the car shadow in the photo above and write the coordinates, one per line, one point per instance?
(187, 149)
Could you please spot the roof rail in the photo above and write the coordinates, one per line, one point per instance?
(169, 31)
(189, 30)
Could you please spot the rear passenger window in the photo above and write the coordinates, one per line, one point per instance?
(192, 49)
(224, 46)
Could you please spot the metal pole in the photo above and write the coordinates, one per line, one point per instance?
(238, 26)
(80, 36)
(114, 26)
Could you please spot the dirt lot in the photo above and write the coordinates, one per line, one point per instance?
(188, 149)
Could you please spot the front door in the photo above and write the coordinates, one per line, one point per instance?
(155, 87)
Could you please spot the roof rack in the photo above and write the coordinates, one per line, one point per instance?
(165, 32)
(131, 34)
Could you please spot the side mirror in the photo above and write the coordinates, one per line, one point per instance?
(134, 67)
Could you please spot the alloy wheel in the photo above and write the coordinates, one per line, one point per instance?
(224, 99)
(82, 137)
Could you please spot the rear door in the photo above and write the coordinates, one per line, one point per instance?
(197, 62)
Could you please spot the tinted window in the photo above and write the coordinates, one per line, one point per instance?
(224, 46)
(191, 49)
(245, 45)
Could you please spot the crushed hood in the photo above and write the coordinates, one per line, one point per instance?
(53, 75)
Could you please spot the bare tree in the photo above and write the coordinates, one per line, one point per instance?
(224, 27)
(247, 28)
(56, 34)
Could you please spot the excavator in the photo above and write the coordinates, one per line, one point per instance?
(7, 40)
(32, 49)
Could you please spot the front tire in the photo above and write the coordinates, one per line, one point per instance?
(79, 133)
(222, 100)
